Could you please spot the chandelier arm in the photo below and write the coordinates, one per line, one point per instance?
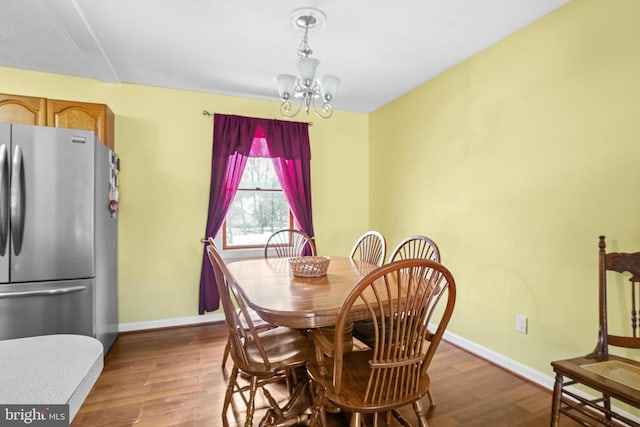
(325, 111)
(287, 110)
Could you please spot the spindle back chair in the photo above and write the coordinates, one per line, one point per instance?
(410, 303)
(607, 375)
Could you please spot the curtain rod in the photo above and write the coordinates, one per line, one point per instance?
(209, 113)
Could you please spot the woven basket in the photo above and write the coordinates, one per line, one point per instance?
(309, 266)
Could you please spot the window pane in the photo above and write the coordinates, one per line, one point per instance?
(259, 173)
(259, 207)
(254, 216)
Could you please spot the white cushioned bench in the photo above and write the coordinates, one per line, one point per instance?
(49, 369)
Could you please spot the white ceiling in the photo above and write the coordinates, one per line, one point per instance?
(380, 49)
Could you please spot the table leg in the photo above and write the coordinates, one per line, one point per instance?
(347, 336)
(298, 408)
(295, 411)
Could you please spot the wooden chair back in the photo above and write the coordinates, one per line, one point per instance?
(416, 247)
(242, 331)
(289, 243)
(403, 301)
(621, 263)
(412, 247)
(371, 247)
(608, 377)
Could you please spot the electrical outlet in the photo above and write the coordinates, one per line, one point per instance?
(521, 323)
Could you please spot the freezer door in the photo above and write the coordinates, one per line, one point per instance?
(5, 147)
(46, 308)
(52, 207)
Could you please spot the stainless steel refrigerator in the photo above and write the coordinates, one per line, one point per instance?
(58, 238)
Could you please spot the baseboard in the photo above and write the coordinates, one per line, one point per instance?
(500, 360)
(167, 323)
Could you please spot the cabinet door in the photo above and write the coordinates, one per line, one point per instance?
(25, 110)
(82, 115)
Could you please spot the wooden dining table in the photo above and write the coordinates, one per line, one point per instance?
(283, 299)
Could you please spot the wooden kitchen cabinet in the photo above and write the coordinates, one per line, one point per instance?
(59, 113)
(82, 115)
(23, 109)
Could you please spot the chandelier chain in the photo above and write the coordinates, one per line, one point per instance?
(305, 50)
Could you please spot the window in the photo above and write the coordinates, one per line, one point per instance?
(259, 207)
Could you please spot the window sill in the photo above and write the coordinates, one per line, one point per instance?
(238, 254)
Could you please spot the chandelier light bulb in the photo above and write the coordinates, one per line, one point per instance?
(285, 84)
(328, 86)
(307, 70)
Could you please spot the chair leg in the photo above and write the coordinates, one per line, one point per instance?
(323, 417)
(432, 402)
(227, 397)
(555, 402)
(356, 419)
(251, 405)
(399, 418)
(225, 356)
(607, 406)
(418, 408)
(317, 408)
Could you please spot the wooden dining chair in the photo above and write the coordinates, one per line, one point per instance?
(371, 247)
(412, 247)
(289, 243)
(262, 357)
(416, 247)
(420, 247)
(258, 323)
(410, 303)
(608, 376)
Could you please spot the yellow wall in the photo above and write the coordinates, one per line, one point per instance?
(164, 143)
(514, 162)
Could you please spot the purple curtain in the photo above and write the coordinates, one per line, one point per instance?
(295, 178)
(234, 139)
(291, 153)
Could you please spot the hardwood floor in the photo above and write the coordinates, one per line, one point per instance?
(173, 377)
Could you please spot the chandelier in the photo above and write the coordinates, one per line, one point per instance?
(306, 90)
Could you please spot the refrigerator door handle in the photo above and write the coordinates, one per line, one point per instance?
(45, 292)
(4, 199)
(17, 200)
